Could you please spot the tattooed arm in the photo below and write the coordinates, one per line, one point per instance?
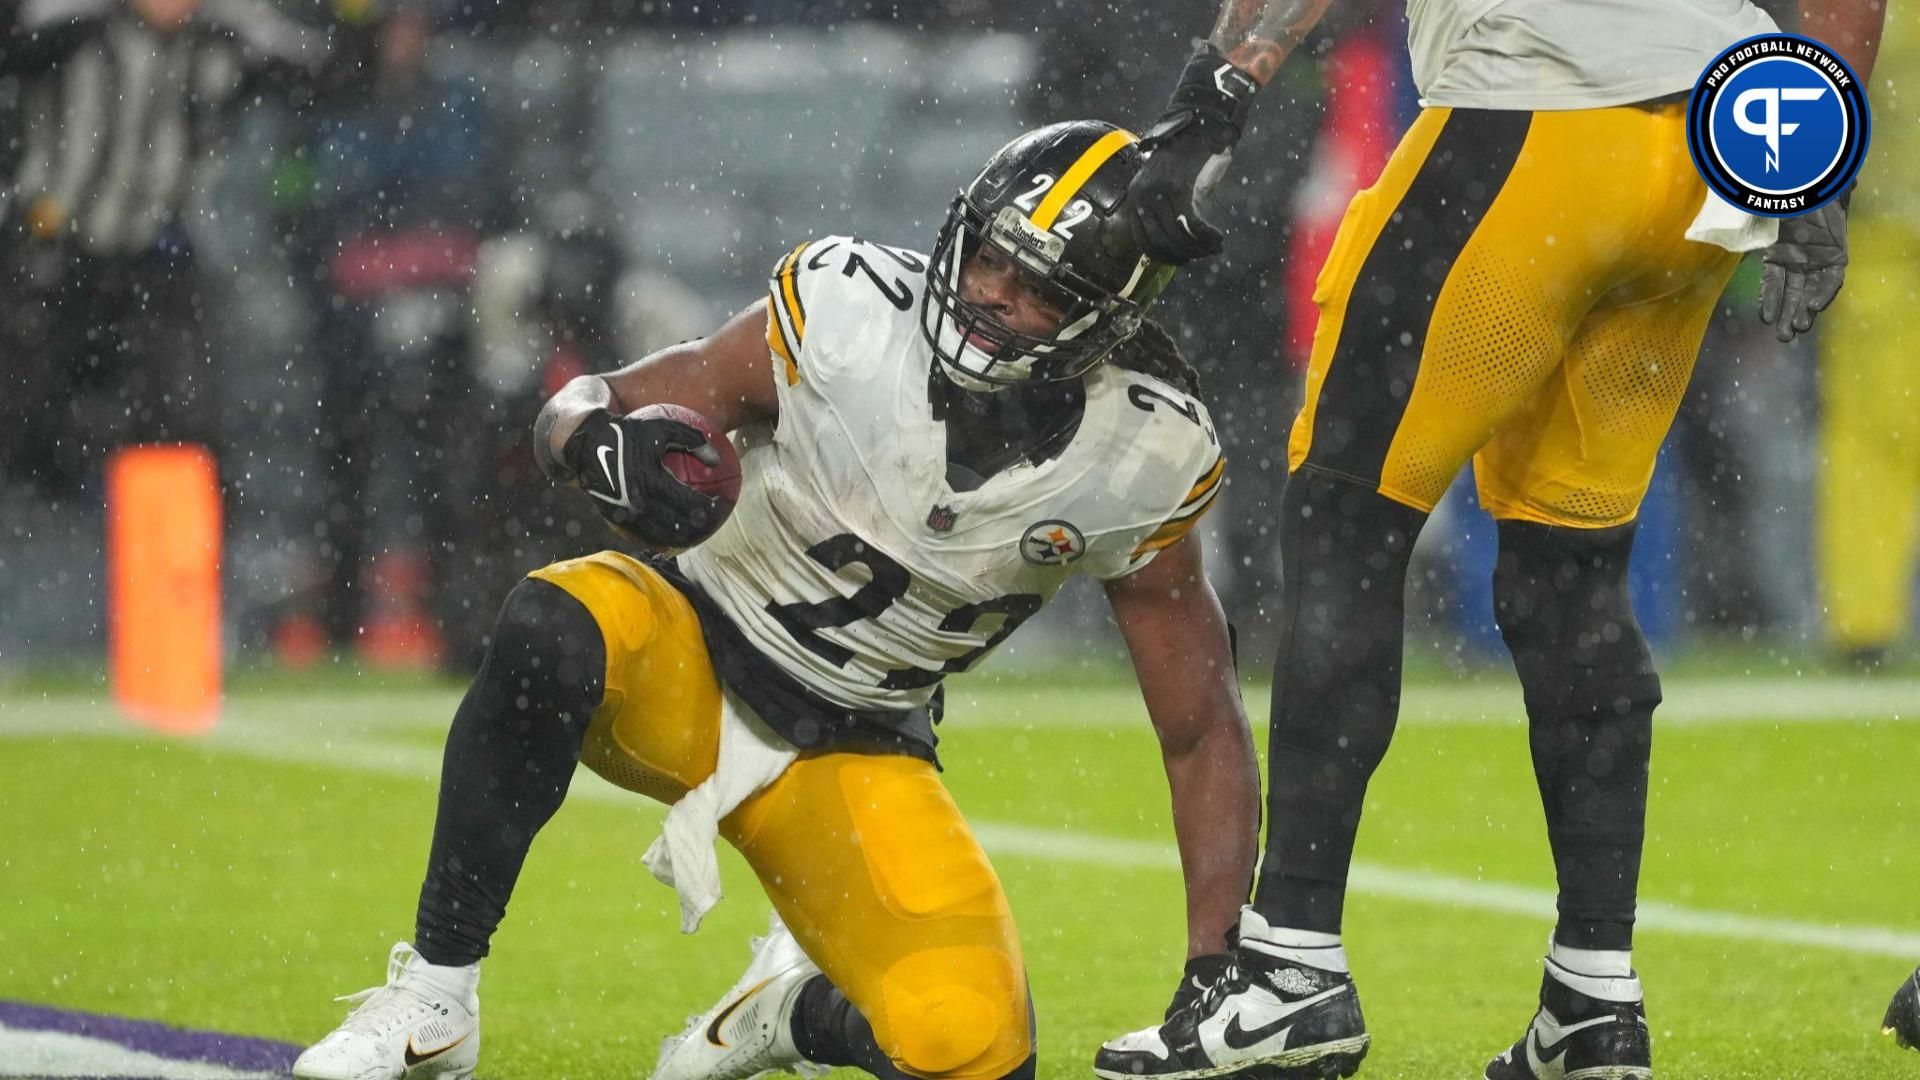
(1189, 146)
(1256, 35)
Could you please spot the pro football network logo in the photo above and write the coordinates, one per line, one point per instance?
(1778, 125)
(1052, 543)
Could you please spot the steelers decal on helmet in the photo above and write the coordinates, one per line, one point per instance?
(1052, 543)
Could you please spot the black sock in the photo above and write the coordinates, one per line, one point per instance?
(1336, 696)
(828, 1030)
(510, 755)
(1561, 598)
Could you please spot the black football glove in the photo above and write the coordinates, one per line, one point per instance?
(1804, 269)
(617, 461)
(1187, 150)
(1202, 972)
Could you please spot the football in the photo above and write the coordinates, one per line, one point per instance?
(722, 480)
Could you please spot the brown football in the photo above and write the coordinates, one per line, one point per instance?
(721, 481)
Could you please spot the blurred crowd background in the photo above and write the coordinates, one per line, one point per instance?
(352, 246)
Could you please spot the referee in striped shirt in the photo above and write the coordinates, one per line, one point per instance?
(112, 117)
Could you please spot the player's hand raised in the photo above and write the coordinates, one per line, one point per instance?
(1804, 269)
(620, 462)
(1188, 150)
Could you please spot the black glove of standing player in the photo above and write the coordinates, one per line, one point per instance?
(1804, 269)
(617, 461)
(1188, 149)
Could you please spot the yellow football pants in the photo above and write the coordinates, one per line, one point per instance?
(1515, 290)
(1868, 514)
(865, 857)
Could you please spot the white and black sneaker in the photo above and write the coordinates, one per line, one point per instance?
(1903, 1014)
(750, 1030)
(1575, 1036)
(424, 1022)
(1271, 1017)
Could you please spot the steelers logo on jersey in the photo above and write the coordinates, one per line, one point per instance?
(1052, 543)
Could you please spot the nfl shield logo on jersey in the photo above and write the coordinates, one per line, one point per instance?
(941, 518)
(1052, 543)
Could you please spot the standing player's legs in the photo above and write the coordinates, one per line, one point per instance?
(1443, 307)
(1447, 306)
(1564, 480)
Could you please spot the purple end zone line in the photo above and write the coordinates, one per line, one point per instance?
(179, 1044)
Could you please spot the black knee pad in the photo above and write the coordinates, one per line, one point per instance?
(545, 648)
(1560, 598)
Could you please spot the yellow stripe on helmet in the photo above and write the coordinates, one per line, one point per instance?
(1076, 177)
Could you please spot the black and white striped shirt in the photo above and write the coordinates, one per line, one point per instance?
(118, 125)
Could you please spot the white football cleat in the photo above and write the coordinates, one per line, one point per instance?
(750, 1031)
(424, 1022)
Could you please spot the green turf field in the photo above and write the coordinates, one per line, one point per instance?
(240, 881)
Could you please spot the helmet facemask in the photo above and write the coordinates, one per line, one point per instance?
(978, 351)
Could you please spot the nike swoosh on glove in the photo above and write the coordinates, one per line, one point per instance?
(1804, 269)
(618, 461)
(1188, 150)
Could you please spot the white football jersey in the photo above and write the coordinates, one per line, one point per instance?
(848, 559)
(1568, 54)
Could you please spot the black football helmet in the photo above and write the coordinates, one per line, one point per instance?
(1050, 201)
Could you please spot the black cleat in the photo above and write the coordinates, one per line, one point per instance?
(1269, 1018)
(1903, 1014)
(1575, 1037)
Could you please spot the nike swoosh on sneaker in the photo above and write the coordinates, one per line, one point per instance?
(413, 1057)
(1541, 1055)
(1240, 1038)
(713, 1029)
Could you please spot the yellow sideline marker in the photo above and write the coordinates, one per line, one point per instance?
(163, 586)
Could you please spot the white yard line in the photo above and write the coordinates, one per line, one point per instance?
(1773, 700)
(1025, 841)
(1689, 703)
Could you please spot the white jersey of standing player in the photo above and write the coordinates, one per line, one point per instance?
(1568, 54)
(848, 559)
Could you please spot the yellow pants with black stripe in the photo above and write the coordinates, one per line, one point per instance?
(865, 857)
(1516, 290)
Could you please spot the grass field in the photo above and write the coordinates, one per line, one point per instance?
(238, 882)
